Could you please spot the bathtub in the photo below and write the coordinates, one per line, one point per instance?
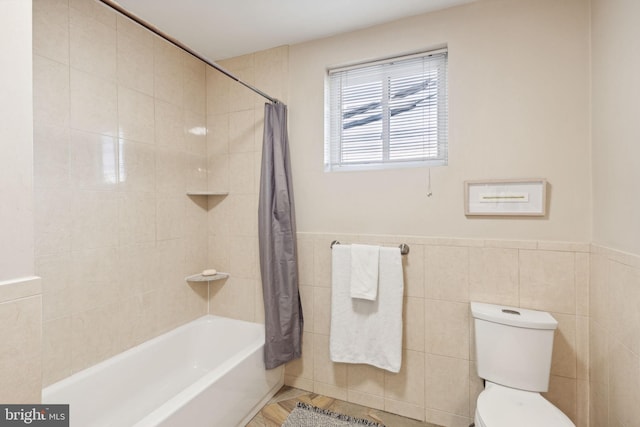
(209, 372)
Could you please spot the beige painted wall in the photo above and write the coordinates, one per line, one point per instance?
(16, 140)
(518, 90)
(616, 130)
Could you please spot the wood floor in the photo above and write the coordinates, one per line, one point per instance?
(274, 413)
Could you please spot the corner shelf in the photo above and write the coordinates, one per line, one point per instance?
(200, 278)
(207, 193)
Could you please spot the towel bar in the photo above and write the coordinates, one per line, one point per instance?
(404, 248)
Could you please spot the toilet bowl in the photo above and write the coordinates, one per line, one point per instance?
(500, 406)
(513, 356)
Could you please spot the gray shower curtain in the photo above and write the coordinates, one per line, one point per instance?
(277, 236)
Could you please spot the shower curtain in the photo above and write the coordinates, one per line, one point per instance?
(277, 236)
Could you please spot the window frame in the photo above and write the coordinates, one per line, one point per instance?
(334, 121)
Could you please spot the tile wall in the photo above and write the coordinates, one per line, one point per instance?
(614, 351)
(438, 382)
(119, 137)
(21, 332)
(235, 119)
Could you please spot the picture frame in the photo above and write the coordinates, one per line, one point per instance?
(506, 197)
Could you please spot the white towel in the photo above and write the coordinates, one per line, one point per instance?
(365, 331)
(364, 271)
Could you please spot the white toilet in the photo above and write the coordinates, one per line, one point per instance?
(513, 353)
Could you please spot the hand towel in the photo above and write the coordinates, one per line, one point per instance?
(364, 331)
(364, 271)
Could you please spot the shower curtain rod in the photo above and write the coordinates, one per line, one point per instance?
(112, 4)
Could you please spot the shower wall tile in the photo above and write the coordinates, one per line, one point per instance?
(51, 29)
(194, 97)
(115, 233)
(136, 116)
(21, 329)
(135, 57)
(87, 114)
(92, 45)
(94, 161)
(51, 96)
(51, 156)
(168, 72)
(137, 217)
(95, 10)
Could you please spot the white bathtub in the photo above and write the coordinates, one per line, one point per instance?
(209, 372)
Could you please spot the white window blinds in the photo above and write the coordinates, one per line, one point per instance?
(389, 113)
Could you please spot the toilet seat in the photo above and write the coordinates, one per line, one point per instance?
(500, 406)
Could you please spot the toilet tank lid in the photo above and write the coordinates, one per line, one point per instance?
(513, 316)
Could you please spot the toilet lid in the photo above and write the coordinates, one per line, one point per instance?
(500, 406)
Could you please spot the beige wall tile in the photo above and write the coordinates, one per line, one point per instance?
(195, 125)
(330, 390)
(446, 419)
(443, 321)
(598, 289)
(136, 217)
(95, 10)
(218, 173)
(218, 88)
(582, 283)
(321, 310)
(87, 114)
(171, 172)
(302, 367)
(233, 297)
(194, 93)
(169, 125)
(241, 131)
(136, 117)
(241, 176)
(563, 394)
(136, 166)
(56, 350)
(408, 385)
(582, 404)
(51, 29)
(243, 257)
(447, 384)
(447, 273)
(52, 222)
(366, 379)
(167, 210)
(94, 161)
(414, 324)
(405, 409)
(547, 281)
(493, 275)
(94, 220)
(413, 269)
(624, 386)
(364, 399)
(624, 302)
(297, 382)
(92, 45)
(51, 156)
(305, 260)
(135, 58)
(306, 299)
(20, 356)
(324, 370)
(168, 72)
(476, 386)
(564, 358)
(582, 347)
(51, 96)
(322, 262)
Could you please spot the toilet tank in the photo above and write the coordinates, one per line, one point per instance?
(513, 345)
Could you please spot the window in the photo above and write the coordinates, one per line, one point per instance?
(389, 113)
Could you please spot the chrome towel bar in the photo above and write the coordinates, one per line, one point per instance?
(404, 248)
